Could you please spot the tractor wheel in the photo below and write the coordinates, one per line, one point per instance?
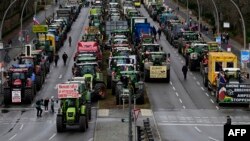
(100, 91)
(38, 83)
(28, 96)
(109, 79)
(59, 124)
(113, 87)
(168, 76)
(140, 99)
(146, 75)
(82, 122)
(7, 97)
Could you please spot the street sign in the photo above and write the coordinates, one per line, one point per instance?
(226, 25)
(244, 56)
(136, 113)
(40, 28)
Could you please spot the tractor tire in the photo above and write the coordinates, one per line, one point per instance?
(168, 76)
(28, 96)
(109, 79)
(7, 97)
(82, 123)
(38, 83)
(59, 124)
(146, 75)
(100, 87)
(113, 88)
(141, 99)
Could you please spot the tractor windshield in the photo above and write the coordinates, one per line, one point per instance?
(26, 61)
(87, 69)
(190, 37)
(18, 76)
(150, 48)
(157, 57)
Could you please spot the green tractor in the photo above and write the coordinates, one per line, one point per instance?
(93, 79)
(73, 107)
(184, 41)
(157, 66)
(130, 83)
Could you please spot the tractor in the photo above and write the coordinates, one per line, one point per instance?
(130, 82)
(157, 66)
(73, 106)
(20, 85)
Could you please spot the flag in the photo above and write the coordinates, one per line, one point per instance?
(35, 21)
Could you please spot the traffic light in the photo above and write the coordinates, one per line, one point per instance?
(140, 133)
(28, 49)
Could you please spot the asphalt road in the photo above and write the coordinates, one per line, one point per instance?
(20, 122)
(184, 109)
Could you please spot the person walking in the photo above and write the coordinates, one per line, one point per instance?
(184, 71)
(46, 104)
(65, 57)
(52, 104)
(56, 59)
(70, 40)
(39, 107)
(159, 33)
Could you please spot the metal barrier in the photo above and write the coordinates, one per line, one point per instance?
(145, 133)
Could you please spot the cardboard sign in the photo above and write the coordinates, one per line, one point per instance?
(16, 96)
(68, 91)
(158, 72)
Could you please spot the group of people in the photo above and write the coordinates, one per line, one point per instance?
(64, 57)
(44, 102)
(154, 32)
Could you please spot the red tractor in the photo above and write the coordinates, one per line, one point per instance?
(19, 86)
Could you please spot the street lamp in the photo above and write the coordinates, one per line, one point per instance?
(199, 16)
(21, 22)
(243, 23)
(187, 13)
(5, 13)
(217, 18)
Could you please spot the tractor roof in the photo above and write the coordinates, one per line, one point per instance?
(18, 70)
(88, 63)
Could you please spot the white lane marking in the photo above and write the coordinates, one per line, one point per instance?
(171, 83)
(52, 136)
(217, 107)
(211, 100)
(213, 139)
(60, 76)
(198, 83)
(197, 129)
(177, 94)
(12, 137)
(174, 88)
(56, 87)
(207, 94)
(180, 100)
(194, 78)
(202, 89)
(91, 139)
(184, 107)
(188, 124)
(21, 127)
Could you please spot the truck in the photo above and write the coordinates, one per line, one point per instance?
(225, 80)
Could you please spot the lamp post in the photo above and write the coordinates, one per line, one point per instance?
(243, 23)
(199, 16)
(21, 22)
(217, 18)
(1, 27)
(187, 12)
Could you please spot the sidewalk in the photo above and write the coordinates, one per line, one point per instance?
(235, 46)
(50, 9)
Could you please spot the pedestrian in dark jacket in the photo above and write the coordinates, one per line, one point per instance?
(229, 120)
(184, 71)
(56, 59)
(39, 110)
(52, 101)
(65, 57)
(70, 40)
(46, 104)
